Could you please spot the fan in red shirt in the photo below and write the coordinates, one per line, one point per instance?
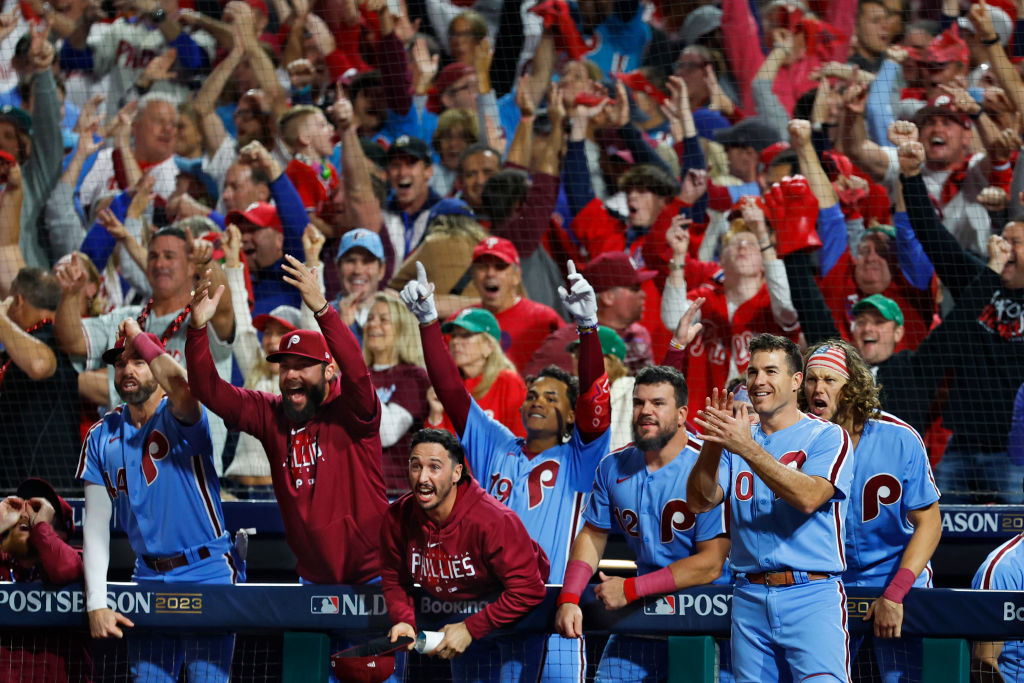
(322, 434)
(457, 543)
(34, 527)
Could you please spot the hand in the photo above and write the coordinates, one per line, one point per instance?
(8, 22)
(753, 216)
(799, 132)
(104, 623)
(686, 329)
(424, 65)
(312, 244)
(114, 227)
(695, 184)
(10, 175)
(71, 276)
(301, 73)
(89, 116)
(678, 237)
(418, 296)
(995, 102)
(611, 591)
(855, 98)
(888, 617)
(5, 305)
(41, 51)
(456, 640)
(993, 198)
(911, 158)
(483, 54)
(1003, 146)
(10, 512)
(159, 68)
(403, 629)
(406, 30)
(678, 101)
(896, 53)
(143, 195)
(782, 39)
(556, 106)
(569, 621)
(42, 511)
(436, 408)
(129, 329)
(962, 99)
(201, 254)
(257, 155)
(982, 21)
(580, 301)
(347, 307)
(232, 245)
(204, 306)
(523, 98)
(189, 17)
(119, 125)
(999, 253)
(619, 107)
(342, 114)
(902, 131)
(494, 134)
(723, 429)
(819, 110)
(303, 279)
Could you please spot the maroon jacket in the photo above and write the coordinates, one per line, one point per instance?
(58, 563)
(482, 548)
(333, 517)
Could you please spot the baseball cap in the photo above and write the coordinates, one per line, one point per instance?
(194, 168)
(448, 77)
(304, 343)
(769, 153)
(1001, 22)
(889, 309)
(947, 47)
(611, 343)
(637, 81)
(18, 116)
(111, 355)
(362, 238)
(476, 320)
(407, 146)
(749, 133)
(450, 206)
(941, 105)
(499, 247)
(64, 517)
(284, 315)
(371, 662)
(614, 269)
(256, 216)
(736, 210)
(887, 230)
(700, 22)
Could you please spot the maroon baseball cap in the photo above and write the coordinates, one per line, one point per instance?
(111, 355)
(499, 247)
(448, 77)
(256, 216)
(371, 662)
(40, 488)
(305, 343)
(941, 105)
(615, 269)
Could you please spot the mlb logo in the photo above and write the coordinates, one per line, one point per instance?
(323, 604)
(664, 605)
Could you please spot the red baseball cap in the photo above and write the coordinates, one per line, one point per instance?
(941, 105)
(635, 80)
(256, 216)
(304, 343)
(615, 269)
(737, 208)
(40, 488)
(946, 47)
(769, 153)
(446, 79)
(498, 247)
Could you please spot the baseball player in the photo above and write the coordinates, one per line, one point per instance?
(457, 543)
(893, 521)
(545, 477)
(152, 459)
(637, 494)
(787, 480)
(1002, 570)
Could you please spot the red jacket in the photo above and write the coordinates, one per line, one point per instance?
(481, 549)
(326, 472)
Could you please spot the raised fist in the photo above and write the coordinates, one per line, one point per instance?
(911, 157)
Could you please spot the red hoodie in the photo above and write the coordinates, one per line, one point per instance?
(482, 548)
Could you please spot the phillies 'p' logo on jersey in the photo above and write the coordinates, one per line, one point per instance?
(675, 516)
(154, 450)
(881, 489)
(541, 477)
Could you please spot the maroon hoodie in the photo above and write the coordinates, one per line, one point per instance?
(482, 548)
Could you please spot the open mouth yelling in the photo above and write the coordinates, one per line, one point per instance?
(425, 493)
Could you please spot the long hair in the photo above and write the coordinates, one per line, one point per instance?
(496, 362)
(408, 348)
(858, 399)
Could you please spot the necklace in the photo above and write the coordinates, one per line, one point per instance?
(172, 328)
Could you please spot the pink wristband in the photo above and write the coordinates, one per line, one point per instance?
(577, 574)
(148, 347)
(655, 583)
(899, 586)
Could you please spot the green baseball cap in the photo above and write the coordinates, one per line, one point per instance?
(474, 320)
(887, 230)
(611, 343)
(889, 309)
(18, 116)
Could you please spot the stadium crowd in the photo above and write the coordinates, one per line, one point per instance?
(452, 251)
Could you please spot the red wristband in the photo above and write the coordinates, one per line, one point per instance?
(629, 588)
(567, 598)
(899, 586)
(148, 346)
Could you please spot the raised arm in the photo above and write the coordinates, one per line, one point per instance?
(67, 322)
(32, 356)
(167, 372)
(361, 206)
(11, 259)
(703, 490)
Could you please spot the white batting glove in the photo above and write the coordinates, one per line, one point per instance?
(580, 300)
(418, 296)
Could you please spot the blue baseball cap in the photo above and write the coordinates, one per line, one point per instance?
(450, 206)
(363, 238)
(194, 168)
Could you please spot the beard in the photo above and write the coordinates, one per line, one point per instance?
(315, 396)
(17, 546)
(656, 442)
(140, 394)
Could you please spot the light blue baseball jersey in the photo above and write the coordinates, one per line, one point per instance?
(160, 478)
(649, 508)
(547, 490)
(769, 534)
(1003, 570)
(891, 477)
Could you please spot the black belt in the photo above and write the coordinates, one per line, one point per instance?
(166, 564)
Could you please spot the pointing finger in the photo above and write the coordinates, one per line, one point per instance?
(421, 274)
(571, 267)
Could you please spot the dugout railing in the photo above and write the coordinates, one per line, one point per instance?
(305, 615)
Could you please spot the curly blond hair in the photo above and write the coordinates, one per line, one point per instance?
(858, 399)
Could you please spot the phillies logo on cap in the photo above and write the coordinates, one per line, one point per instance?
(252, 206)
(293, 341)
(402, 140)
(491, 241)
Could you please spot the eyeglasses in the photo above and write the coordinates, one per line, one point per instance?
(244, 114)
(690, 66)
